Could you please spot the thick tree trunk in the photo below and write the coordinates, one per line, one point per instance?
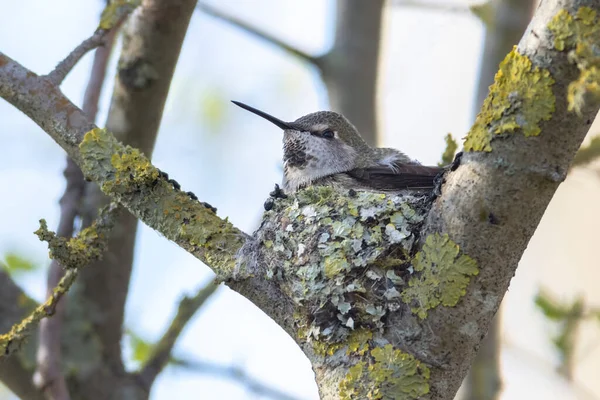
(510, 19)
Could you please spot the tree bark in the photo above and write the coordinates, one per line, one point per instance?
(510, 19)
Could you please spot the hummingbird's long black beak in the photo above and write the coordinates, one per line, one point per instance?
(270, 118)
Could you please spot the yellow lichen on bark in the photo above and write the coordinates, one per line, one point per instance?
(579, 34)
(520, 99)
(387, 373)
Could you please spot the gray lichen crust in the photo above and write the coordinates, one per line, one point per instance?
(342, 258)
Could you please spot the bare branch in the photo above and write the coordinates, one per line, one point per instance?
(112, 17)
(48, 375)
(161, 354)
(15, 372)
(432, 6)
(74, 254)
(58, 74)
(98, 73)
(257, 32)
(234, 373)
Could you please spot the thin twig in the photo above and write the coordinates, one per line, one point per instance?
(58, 74)
(161, 354)
(432, 6)
(93, 90)
(255, 31)
(48, 376)
(235, 373)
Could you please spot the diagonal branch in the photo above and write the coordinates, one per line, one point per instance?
(161, 354)
(257, 32)
(16, 372)
(59, 73)
(112, 16)
(431, 6)
(235, 373)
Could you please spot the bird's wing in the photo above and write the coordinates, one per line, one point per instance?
(398, 176)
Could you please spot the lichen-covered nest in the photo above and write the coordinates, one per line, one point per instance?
(343, 256)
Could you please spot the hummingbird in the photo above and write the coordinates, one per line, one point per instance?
(324, 148)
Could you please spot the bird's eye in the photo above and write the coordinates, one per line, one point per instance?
(328, 134)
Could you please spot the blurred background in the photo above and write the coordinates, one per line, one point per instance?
(412, 72)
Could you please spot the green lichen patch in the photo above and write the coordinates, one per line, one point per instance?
(388, 374)
(119, 169)
(115, 10)
(127, 176)
(443, 275)
(358, 341)
(325, 349)
(520, 99)
(579, 34)
(342, 259)
(87, 246)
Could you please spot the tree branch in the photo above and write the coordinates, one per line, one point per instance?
(16, 372)
(161, 354)
(506, 23)
(431, 6)
(493, 203)
(48, 375)
(255, 31)
(112, 17)
(59, 73)
(234, 373)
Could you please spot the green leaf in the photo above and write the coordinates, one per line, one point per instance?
(550, 307)
(15, 263)
(213, 109)
(448, 155)
(141, 349)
